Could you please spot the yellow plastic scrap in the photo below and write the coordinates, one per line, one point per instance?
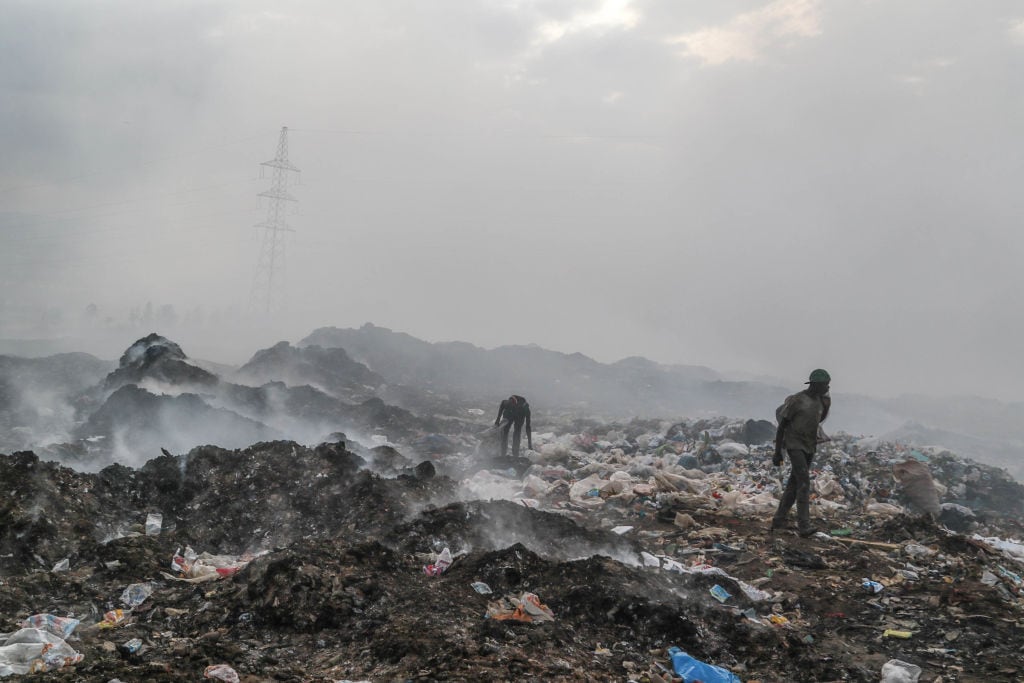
(890, 633)
(778, 619)
(112, 618)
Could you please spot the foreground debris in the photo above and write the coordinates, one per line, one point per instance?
(610, 546)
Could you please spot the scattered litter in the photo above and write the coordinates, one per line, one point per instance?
(34, 650)
(221, 672)
(897, 671)
(872, 586)
(136, 593)
(154, 522)
(440, 565)
(132, 646)
(62, 566)
(481, 587)
(891, 633)
(114, 617)
(58, 626)
(621, 529)
(527, 607)
(195, 568)
(719, 593)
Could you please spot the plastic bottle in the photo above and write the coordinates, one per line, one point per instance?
(695, 670)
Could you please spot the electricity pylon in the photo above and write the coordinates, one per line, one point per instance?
(268, 285)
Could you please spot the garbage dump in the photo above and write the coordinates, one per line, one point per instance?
(619, 551)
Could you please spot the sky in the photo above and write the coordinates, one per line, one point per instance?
(765, 187)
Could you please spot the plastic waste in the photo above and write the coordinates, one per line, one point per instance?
(62, 566)
(221, 672)
(1015, 578)
(918, 485)
(892, 633)
(132, 646)
(154, 522)
(898, 671)
(206, 567)
(719, 593)
(695, 670)
(113, 618)
(527, 608)
(136, 594)
(684, 521)
(33, 650)
(58, 626)
(481, 588)
(183, 562)
(621, 529)
(872, 586)
(917, 551)
(440, 566)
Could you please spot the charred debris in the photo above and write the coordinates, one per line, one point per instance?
(407, 553)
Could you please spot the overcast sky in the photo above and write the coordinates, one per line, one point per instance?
(758, 186)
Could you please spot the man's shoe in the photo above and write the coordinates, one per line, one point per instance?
(807, 531)
(776, 526)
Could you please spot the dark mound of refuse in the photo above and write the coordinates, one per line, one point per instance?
(158, 359)
(332, 370)
(260, 497)
(144, 422)
(298, 563)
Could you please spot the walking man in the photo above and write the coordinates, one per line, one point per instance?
(516, 411)
(799, 418)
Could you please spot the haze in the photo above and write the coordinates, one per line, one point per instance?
(765, 187)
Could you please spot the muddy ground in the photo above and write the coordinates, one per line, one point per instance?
(340, 592)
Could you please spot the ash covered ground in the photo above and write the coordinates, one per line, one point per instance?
(327, 558)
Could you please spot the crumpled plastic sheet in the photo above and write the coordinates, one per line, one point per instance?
(527, 607)
(1013, 550)
(62, 627)
(194, 568)
(32, 650)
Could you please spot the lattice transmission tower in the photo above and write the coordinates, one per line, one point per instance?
(268, 285)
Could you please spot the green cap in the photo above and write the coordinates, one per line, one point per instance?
(819, 375)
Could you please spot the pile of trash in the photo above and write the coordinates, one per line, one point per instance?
(628, 552)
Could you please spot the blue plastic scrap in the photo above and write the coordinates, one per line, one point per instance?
(720, 593)
(695, 670)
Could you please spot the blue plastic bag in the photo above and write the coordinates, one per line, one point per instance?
(695, 670)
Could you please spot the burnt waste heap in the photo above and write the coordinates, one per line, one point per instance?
(401, 555)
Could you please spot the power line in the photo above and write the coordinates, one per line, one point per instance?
(150, 162)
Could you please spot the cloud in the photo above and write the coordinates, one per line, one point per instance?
(1017, 31)
(609, 15)
(747, 36)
